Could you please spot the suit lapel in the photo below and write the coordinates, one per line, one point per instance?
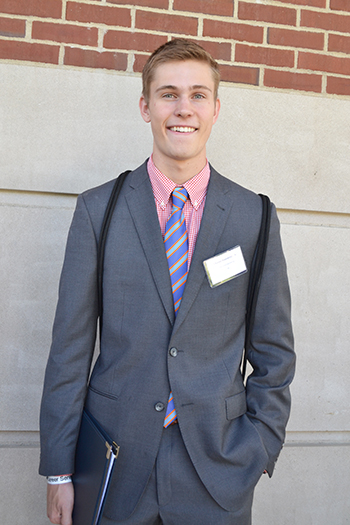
(217, 208)
(140, 200)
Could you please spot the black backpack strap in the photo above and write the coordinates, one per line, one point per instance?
(256, 274)
(103, 236)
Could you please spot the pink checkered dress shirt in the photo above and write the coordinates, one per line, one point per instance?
(193, 209)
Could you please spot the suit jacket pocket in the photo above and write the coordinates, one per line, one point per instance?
(100, 393)
(236, 405)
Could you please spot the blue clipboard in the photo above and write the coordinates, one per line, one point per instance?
(94, 463)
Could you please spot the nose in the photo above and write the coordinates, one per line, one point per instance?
(183, 107)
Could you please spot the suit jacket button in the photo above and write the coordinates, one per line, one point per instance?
(173, 352)
(159, 407)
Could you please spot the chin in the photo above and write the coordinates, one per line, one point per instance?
(183, 155)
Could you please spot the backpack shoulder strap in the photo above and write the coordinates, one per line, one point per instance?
(103, 236)
(256, 274)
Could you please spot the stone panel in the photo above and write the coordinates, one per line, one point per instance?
(310, 486)
(318, 262)
(23, 491)
(67, 130)
(33, 229)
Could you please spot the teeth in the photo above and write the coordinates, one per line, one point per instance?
(182, 129)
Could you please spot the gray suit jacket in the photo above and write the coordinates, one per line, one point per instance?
(232, 432)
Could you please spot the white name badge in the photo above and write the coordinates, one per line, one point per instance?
(225, 266)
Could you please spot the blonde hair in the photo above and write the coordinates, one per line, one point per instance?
(175, 50)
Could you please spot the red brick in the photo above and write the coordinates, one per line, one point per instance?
(264, 55)
(289, 80)
(338, 86)
(339, 43)
(46, 8)
(135, 41)
(111, 16)
(316, 62)
(160, 4)
(14, 50)
(86, 58)
(231, 31)
(139, 62)
(210, 7)
(166, 23)
(218, 50)
(292, 38)
(267, 13)
(340, 5)
(311, 3)
(239, 74)
(327, 21)
(65, 33)
(12, 27)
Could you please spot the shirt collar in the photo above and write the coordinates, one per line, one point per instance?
(163, 187)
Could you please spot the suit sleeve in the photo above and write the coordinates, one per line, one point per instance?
(271, 353)
(73, 342)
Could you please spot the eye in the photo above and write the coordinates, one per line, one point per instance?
(198, 96)
(168, 95)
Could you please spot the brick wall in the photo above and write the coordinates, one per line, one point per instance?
(299, 45)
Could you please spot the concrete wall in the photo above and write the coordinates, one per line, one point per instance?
(62, 131)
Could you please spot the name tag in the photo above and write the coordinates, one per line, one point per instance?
(225, 266)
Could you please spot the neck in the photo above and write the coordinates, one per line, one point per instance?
(179, 171)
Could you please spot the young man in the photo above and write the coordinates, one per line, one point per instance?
(167, 385)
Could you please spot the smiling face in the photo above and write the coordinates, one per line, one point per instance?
(181, 110)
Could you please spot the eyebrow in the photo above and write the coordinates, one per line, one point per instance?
(175, 88)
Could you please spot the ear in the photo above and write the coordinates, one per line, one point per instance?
(144, 109)
(217, 110)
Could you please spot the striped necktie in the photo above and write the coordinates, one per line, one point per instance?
(176, 248)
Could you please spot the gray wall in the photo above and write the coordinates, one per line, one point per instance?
(62, 131)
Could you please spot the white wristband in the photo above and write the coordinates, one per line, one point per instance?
(58, 480)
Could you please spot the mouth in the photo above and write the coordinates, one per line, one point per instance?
(182, 129)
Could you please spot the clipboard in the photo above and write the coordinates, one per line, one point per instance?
(95, 460)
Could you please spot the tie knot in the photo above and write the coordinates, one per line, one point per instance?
(180, 196)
